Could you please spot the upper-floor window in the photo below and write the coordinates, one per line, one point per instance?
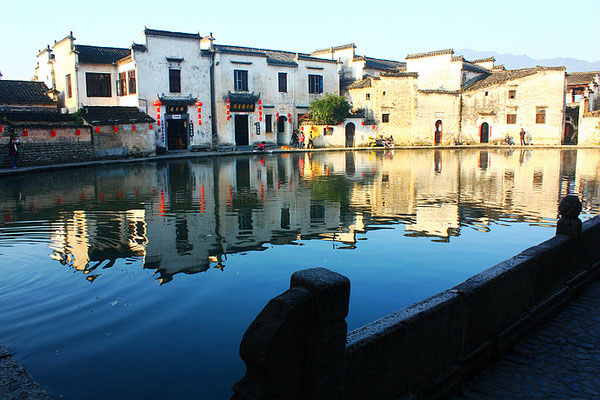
(240, 79)
(511, 118)
(175, 80)
(368, 96)
(131, 76)
(282, 82)
(540, 116)
(315, 83)
(122, 84)
(385, 118)
(512, 94)
(97, 84)
(69, 88)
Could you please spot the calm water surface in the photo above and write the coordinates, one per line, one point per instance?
(138, 281)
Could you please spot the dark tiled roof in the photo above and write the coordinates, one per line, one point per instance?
(177, 101)
(499, 77)
(100, 55)
(362, 83)
(139, 47)
(398, 74)
(429, 54)
(473, 67)
(24, 92)
(581, 78)
(181, 35)
(481, 60)
(274, 57)
(38, 118)
(334, 48)
(242, 96)
(381, 64)
(113, 115)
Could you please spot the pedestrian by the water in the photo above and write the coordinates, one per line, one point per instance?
(522, 134)
(13, 150)
(295, 138)
(302, 140)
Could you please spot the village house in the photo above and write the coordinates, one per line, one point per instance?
(262, 95)
(583, 101)
(444, 99)
(29, 114)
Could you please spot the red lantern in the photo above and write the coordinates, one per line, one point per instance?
(199, 104)
(133, 128)
(150, 126)
(277, 115)
(116, 129)
(157, 103)
(340, 124)
(1, 128)
(25, 132)
(53, 132)
(78, 132)
(373, 127)
(158, 122)
(97, 129)
(227, 101)
(363, 123)
(259, 101)
(289, 115)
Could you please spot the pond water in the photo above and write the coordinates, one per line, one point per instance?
(138, 281)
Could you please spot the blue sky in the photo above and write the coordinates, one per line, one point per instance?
(384, 29)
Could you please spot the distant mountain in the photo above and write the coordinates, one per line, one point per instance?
(512, 61)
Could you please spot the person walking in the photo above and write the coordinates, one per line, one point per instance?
(302, 140)
(13, 150)
(522, 134)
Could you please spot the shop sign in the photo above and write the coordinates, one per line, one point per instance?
(176, 109)
(241, 106)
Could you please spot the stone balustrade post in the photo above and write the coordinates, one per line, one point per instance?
(295, 347)
(569, 223)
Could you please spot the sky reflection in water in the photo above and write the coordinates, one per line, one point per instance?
(138, 281)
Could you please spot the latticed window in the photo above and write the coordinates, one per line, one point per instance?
(512, 94)
(240, 78)
(511, 118)
(175, 80)
(540, 116)
(315, 83)
(131, 76)
(385, 118)
(97, 84)
(122, 84)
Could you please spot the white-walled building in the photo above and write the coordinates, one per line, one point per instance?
(261, 94)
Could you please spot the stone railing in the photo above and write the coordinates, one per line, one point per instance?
(298, 346)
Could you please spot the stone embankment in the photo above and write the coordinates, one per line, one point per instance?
(298, 346)
(15, 382)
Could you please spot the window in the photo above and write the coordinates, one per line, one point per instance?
(175, 80)
(384, 92)
(540, 116)
(268, 123)
(69, 89)
(97, 84)
(122, 84)
(385, 118)
(315, 83)
(511, 118)
(512, 94)
(368, 96)
(282, 82)
(486, 93)
(240, 78)
(131, 76)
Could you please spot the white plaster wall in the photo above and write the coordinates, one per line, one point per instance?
(436, 72)
(130, 100)
(65, 62)
(153, 80)
(263, 80)
(113, 100)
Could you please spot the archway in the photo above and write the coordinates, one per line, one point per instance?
(350, 128)
(570, 134)
(438, 132)
(484, 133)
(281, 134)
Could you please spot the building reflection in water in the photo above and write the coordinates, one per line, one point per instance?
(186, 216)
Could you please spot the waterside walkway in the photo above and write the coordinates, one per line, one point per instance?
(560, 360)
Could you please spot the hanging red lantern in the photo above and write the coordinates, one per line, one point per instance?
(150, 127)
(363, 123)
(373, 127)
(116, 129)
(157, 103)
(340, 124)
(227, 101)
(259, 101)
(289, 116)
(97, 129)
(53, 132)
(277, 115)
(158, 122)
(199, 104)
(78, 132)
(1, 128)
(25, 132)
(133, 128)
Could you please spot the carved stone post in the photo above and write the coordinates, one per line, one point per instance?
(569, 223)
(294, 349)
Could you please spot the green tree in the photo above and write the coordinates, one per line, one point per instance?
(330, 109)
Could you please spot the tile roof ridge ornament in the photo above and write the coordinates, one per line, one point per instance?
(430, 54)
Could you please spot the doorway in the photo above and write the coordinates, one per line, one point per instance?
(177, 136)
(241, 130)
(484, 133)
(350, 128)
(281, 136)
(438, 132)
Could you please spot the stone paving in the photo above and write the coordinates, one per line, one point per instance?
(560, 360)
